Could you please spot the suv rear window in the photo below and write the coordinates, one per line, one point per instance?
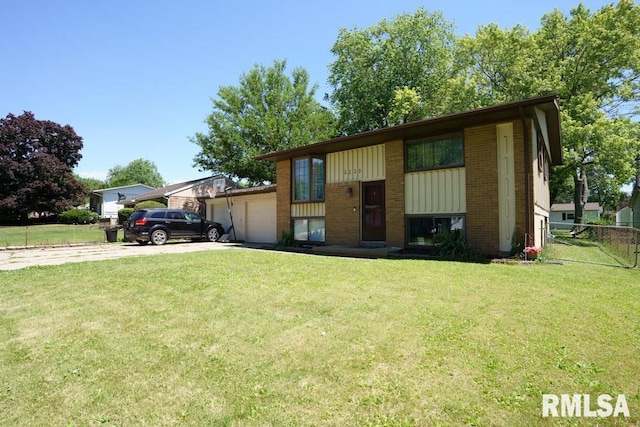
(136, 215)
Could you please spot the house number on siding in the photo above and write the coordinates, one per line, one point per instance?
(348, 172)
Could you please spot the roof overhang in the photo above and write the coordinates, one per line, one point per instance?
(449, 123)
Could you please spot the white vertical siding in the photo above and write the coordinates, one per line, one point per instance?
(436, 191)
(360, 164)
(307, 209)
(506, 185)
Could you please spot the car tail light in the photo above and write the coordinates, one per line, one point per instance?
(141, 222)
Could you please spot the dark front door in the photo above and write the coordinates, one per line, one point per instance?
(373, 218)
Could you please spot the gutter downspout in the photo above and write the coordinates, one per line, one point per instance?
(527, 177)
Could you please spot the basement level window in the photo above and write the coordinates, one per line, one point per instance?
(308, 229)
(427, 230)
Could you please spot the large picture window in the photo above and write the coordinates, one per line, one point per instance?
(427, 230)
(308, 179)
(308, 229)
(433, 153)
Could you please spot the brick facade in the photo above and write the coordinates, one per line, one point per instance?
(283, 196)
(481, 166)
(394, 193)
(481, 157)
(342, 215)
(190, 203)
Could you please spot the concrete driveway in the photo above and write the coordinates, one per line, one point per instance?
(15, 259)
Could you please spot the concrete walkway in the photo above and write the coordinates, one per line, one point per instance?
(15, 259)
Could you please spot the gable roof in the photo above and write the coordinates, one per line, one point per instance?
(122, 187)
(449, 123)
(589, 206)
(175, 188)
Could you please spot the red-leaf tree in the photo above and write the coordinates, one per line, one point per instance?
(37, 158)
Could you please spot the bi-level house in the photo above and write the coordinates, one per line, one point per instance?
(483, 172)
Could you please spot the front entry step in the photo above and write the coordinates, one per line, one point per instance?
(359, 252)
(372, 244)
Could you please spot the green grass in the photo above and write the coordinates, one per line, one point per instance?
(53, 234)
(586, 250)
(252, 338)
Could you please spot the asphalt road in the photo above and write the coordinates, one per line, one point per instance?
(15, 259)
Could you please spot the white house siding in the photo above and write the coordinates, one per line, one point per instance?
(560, 212)
(261, 220)
(541, 226)
(360, 164)
(109, 206)
(254, 216)
(624, 217)
(541, 193)
(436, 191)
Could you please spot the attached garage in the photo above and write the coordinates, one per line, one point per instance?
(253, 210)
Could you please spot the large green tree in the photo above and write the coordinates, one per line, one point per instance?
(91, 183)
(268, 111)
(37, 158)
(139, 171)
(592, 61)
(393, 72)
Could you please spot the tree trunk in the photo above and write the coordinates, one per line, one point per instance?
(24, 218)
(577, 198)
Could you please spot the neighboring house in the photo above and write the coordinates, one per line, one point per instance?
(563, 214)
(634, 204)
(108, 201)
(253, 210)
(485, 172)
(185, 195)
(624, 217)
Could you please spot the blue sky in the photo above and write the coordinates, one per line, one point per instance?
(135, 78)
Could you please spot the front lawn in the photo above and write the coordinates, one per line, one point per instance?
(51, 234)
(247, 337)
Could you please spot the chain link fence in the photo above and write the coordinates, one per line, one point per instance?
(597, 244)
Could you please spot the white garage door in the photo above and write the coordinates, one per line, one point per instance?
(261, 221)
(221, 215)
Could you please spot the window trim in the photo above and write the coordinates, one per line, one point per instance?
(432, 140)
(309, 160)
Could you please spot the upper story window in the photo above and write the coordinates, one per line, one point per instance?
(308, 179)
(434, 153)
(543, 163)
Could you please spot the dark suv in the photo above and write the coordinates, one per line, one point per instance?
(159, 225)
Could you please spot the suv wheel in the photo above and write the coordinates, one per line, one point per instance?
(213, 234)
(159, 237)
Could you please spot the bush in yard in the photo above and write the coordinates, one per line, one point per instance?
(78, 216)
(149, 204)
(124, 214)
(287, 240)
(453, 245)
